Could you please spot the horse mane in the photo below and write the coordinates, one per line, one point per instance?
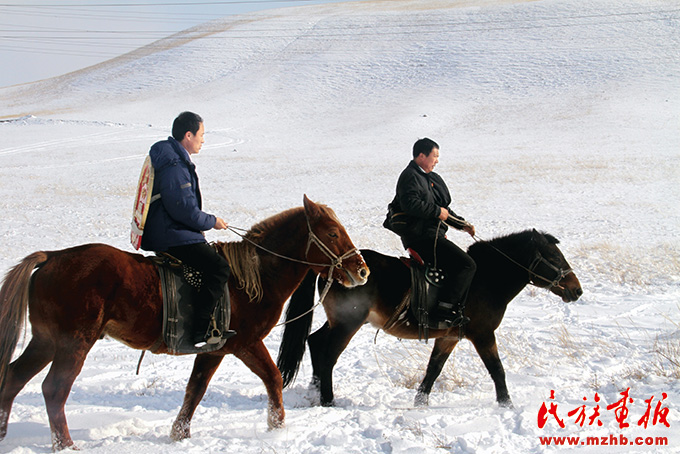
(245, 267)
(263, 228)
(514, 244)
(260, 230)
(242, 255)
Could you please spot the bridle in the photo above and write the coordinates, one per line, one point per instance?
(336, 261)
(560, 273)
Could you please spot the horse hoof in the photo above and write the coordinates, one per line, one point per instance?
(506, 404)
(61, 446)
(276, 423)
(180, 431)
(421, 400)
(276, 418)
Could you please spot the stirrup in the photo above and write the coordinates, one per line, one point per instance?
(460, 320)
(210, 337)
(453, 319)
(214, 335)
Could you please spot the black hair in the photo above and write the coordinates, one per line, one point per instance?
(424, 146)
(185, 122)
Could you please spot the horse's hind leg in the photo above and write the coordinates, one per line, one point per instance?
(440, 353)
(67, 364)
(35, 357)
(257, 358)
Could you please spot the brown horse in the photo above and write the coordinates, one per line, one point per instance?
(504, 267)
(78, 295)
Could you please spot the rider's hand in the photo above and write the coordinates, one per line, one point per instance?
(443, 214)
(470, 229)
(220, 224)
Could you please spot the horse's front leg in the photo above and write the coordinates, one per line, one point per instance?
(487, 349)
(440, 353)
(205, 366)
(257, 358)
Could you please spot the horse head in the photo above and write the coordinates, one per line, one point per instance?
(329, 243)
(550, 269)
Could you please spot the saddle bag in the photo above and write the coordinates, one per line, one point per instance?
(396, 221)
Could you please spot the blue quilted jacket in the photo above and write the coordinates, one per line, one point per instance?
(176, 219)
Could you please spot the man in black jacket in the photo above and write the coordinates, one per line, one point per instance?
(420, 214)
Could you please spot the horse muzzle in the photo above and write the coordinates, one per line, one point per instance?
(569, 289)
(569, 295)
(354, 273)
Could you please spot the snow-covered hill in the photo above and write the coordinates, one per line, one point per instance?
(558, 115)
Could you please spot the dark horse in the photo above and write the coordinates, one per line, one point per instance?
(504, 267)
(78, 295)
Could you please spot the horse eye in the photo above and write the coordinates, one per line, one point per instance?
(333, 235)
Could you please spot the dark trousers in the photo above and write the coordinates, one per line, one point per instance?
(458, 265)
(215, 268)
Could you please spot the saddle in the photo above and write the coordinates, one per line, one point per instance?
(423, 301)
(179, 284)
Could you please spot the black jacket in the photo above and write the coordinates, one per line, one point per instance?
(414, 212)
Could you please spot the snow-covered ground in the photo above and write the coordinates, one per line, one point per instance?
(558, 115)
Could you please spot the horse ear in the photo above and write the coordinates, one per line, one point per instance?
(537, 237)
(311, 208)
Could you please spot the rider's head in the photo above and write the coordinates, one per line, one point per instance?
(424, 146)
(186, 122)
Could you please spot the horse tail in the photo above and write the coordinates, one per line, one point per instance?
(14, 306)
(296, 330)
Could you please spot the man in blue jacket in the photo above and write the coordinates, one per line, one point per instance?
(422, 210)
(175, 222)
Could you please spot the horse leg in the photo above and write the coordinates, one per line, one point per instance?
(205, 367)
(67, 364)
(488, 351)
(325, 347)
(257, 358)
(317, 342)
(35, 357)
(440, 353)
